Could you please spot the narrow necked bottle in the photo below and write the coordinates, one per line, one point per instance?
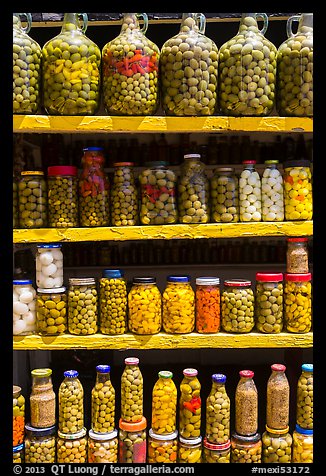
(103, 401)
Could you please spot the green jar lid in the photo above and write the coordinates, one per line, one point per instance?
(165, 374)
(41, 373)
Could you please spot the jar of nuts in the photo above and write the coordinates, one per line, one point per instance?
(246, 404)
(305, 397)
(82, 306)
(250, 193)
(42, 399)
(103, 447)
(189, 450)
(72, 447)
(144, 306)
(297, 255)
(124, 195)
(224, 192)
(278, 398)
(103, 401)
(113, 302)
(132, 441)
(298, 302)
(277, 446)
(269, 302)
(302, 445)
(246, 449)
(40, 445)
(63, 196)
(162, 448)
(71, 403)
(131, 391)
(213, 453)
(218, 412)
(164, 404)
(178, 303)
(237, 306)
(190, 405)
(32, 199)
(297, 178)
(51, 311)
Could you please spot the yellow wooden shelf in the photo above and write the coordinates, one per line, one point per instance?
(158, 124)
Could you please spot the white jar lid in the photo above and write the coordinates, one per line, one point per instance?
(72, 436)
(208, 281)
(51, 290)
(102, 436)
(188, 441)
(169, 436)
(192, 156)
(81, 281)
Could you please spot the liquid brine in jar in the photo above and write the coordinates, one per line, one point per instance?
(103, 401)
(278, 399)
(113, 302)
(124, 195)
(190, 405)
(42, 399)
(131, 391)
(144, 306)
(218, 412)
(246, 404)
(178, 305)
(305, 397)
(164, 404)
(71, 403)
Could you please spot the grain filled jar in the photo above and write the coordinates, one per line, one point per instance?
(208, 305)
(103, 448)
(42, 399)
(305, 397)
(224, 193)
(178, 304)
(113, 302)
(272, 197)
(297, 260)
(40, 445)
(250, 208)
(72, 447)
(71, 403)
(144, 306)
(103, 401)
(24, 298)
(18, 455)
(190, 405)
(32, 199)
(246, 449)
(190, 450)
(124, 195)
(49, 266)
(62, 183)
(278, 399)
(15, 203)
(213, 453)
(246, 405)
(302, 445)
(164, 404)
(218, 412)
(237, 306)
(162, 448)
(132, 441)
(51, 311)
(82, 306)
(131, 391)
(297, 179)
(269, 302)
(277, 446)
(297, 302)
(18, 416)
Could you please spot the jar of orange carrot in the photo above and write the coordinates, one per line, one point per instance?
(208, 308)
(18, 401)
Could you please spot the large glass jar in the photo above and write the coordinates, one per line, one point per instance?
(144, 306)
(213, 453)
(250, 208)
(27, 57)
(218, 412)
(93, 194)
(190, 405)
(237, 306)
(207, 305)
(63, 196)
(178, 304)
(132, 441)
(277, 446)
(49, 266)
(24, 299)
(72, 447)
(297, 179)
(193, 191)
(124, 195)
(15, 203)
(162, 448)
(158, 194)
(272, 200)
(71, 70)
(297, 260)
(51, 311)
(247, 70)
(189, 450)
(18, 416)
(164, 404)
(224, 195)
(103, 401)
(42, 399)
(188, 66)
(71, 403)
(294, 92)
(246, 449)
(131, 70)
(131, 392)
(278, 399)
(305, 397)
(246, 405)
(113, 302)
(302, 445)
(40, 445)
(32, 197)
(269, 302)
(298, 302)
(18, 454)
(103, 448)
(82, 306)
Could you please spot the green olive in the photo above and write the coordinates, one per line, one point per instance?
(31, 194)
(113, 306)
(63, 201)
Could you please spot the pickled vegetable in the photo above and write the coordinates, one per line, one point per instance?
(297, 190)
(103, 448)
(237, 306)
(218, 412)
(63, 196)
(162, 448)
(24, 318)
(208, 305)
(178, 302)
(272, 199)
(132, 441)
(164, 404)
(302, 445)
(131, 391)
(249, 193)
(72, 448)
(246, 449)
(113, 303)
(18, 416)
(144, 307)
(15, 210)
(269, 302)
(82, 306)
(298, 302)
(277, 446)
(49, 266)
(224, 195)
(40, 445)
(213, 453)
(305, 397)
(189, 451)
(32, 197)
(71, 403)
(51, 311)
(103, 401)
(124, 195)
(190, 405)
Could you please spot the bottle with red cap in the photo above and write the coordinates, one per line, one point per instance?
(297, 255)
(269, 302)
(62, 183)
(250, 207)
(246, 405)
(278, 399)
(298, 302)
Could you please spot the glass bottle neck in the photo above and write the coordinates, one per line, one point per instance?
(41, 382)
(306, 23)
(102, 377)
(248, 22)
(16, 22)
(130, 23)
(189, 22)
(70, 22)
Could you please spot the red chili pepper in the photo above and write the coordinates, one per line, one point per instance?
(140, 69)
(193, 405)
(134, 68)
(135, 58)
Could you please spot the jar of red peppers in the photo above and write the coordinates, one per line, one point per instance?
(208, 304)
(93, 189)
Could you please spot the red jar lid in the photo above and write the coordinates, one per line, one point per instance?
(246, 373)
(249, 161)
(62, 170)
(123, 164)
(278, 367)
(237, 282)
(298, 277)
(269, 276)
(297, 239)
(213, 446)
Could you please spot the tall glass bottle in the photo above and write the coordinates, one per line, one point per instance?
(246, 405)
(103, 401)
(278, 399)
(190, 405)
(131, 391)
(305, 397)
(164, 404)
(71, 403)
(218, 412)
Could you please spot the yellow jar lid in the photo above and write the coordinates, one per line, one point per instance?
(274, 431)
(32, 172)
(41, 372)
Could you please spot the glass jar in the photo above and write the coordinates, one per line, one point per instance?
(40, 445)
(18, 454)
(103, 448)
(294, 92)
(297, 179)
(158, 194)
(71, 70)
(178, 305)
(247, 70)
(190, 405)
(15, 204)
(27, 57)
(298, 302)
(113, 302)
(49, 266)
(302, 445)
(278, 399)
(218, 412)
(305, 397)
(193, 191)
(124, 195)
(71, 403)
(24, 298)
(246, 405)
(72, 448)
(51, 311)
(144, 306)
(269, 302)
(164, 404)
(250, 208)
(213, 453)
(131, 402)
(224, 195)
(82, 306)
(189, 450)
(246, 449)
(103, 401)
(162, 448)
(63, 196)
(297, 260)
(237, 306)
(18, 416)
(32, 195)
(277, 446)
(132, 441)
(272, 199)
(188, 66)
(42, 399)
(208, 305)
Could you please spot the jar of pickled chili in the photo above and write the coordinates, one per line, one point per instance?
(164, 404)
(18, 419)
(144, 306)
(208, 304)
(190, 405)
(178, 303)
(162, 448)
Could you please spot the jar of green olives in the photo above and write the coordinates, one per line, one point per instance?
(305, 397)
(132, 392)
(63, 196)
(224, 195)
(124, 195)
(237, 306)
(71, 403)
(277, 446)
(269, 302)
(132, 441)
(218, 412)
(246, 449)
(213, 453)
(32, 197)
(113, 302)
(72, 447)
(51, 311)
(103, 401)
(82, 306)
(15, 209)
(40, 444)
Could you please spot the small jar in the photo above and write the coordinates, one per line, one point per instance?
(302, 445)
(63, 196)
(103, 448)
(24, 299)
(164, 404)
(162, 448)
(15, 203)
(49, 266)
(297, 179)
(213, 453)
(42, 399)
(208, 305)
(218, 412)
(278, 399)
(297, 255)
(18, 416)
(18, 454)
(132, 441)
(40, 445)
(298, 302)
(237, 308)
(189, 450)
(305, 397)
(131, 406)
(82, 306)
(224, 193)
(144, 306)
(51, 311)
(269, 302)
(32, 198)
(113, 302)
(71, 403)
(124, 195)
(277, 446)
(250, 208)
(72, 447)
(246, 449)
(103, 401)
(272, 199)
(190, 405)
(246, 405)
(178, 305)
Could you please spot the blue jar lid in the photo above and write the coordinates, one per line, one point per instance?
(22, 281)
(307, 367)
(71, 373)
(86, 149)
(104, 369)
(54, 245)
(219, 378)
(112, 273)
(48, 431)
(303, 431)
(18, 448)
(178, 279)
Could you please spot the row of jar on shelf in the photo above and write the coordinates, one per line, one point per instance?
(171, 415)
(189, 76)
(161, 197)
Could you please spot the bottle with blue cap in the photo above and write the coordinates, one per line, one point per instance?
(71, 403)
(305, 399)
(218, 412)
(303, 445)
(113, 302)
(103, 401)
(178, 305)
